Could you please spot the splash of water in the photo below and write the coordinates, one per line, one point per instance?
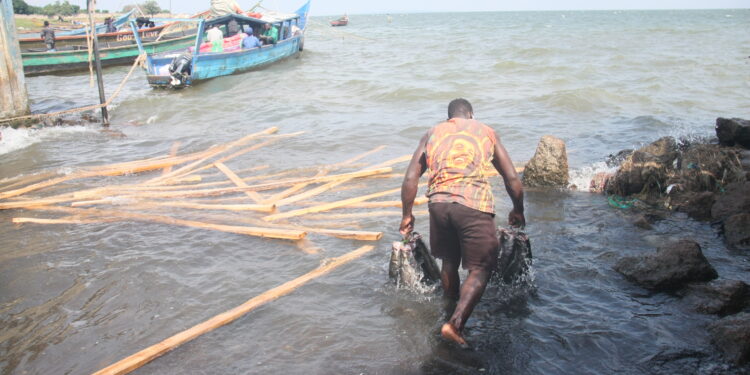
(17, 139)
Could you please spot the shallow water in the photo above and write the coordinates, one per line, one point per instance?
(76, 298)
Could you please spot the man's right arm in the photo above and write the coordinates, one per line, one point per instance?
(409, 187)
(513, 185)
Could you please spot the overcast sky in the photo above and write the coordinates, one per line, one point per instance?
(336, 7)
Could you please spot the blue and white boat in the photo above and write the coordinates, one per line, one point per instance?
(100, 27)
(185, 67)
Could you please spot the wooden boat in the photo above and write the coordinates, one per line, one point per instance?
(343, 21)
(36, 44)
(76, 57)
(100, 28)
(187, 66)
(106, 40)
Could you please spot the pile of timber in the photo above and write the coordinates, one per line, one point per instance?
(188, 190)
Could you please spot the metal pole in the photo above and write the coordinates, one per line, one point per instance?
(97, 64)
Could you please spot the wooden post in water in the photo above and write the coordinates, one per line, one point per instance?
(97, 61)
(14, 99)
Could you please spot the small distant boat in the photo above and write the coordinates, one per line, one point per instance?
(186, 66)
(343, 21)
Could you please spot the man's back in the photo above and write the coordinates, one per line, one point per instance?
(48, 34)
(459, 154)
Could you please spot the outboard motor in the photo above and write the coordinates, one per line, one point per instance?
(179, 69)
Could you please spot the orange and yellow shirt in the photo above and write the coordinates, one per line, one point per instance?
(459, 153)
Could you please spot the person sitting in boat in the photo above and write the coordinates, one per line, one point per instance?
(216, 38)
(270, 34)
(223, 7)
(233, 28)
(48, 35)
(250, 41)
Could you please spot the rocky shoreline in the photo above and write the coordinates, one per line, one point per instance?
(709, 181)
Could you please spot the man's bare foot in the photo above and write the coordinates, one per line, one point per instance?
(451, 333)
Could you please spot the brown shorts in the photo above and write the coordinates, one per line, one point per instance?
(461, 233)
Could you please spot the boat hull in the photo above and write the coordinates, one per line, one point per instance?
(39, 63)
(106, 40)
(207, 66)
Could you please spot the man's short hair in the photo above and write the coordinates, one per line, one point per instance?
(46, 23)
(460, 108)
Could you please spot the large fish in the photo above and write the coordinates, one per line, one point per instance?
(411, 263)
(515, 255)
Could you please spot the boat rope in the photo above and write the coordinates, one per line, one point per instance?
(138, 62)
(617, 201)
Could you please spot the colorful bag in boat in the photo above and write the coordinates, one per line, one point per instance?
(233, 43)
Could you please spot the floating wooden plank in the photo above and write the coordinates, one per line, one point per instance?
(238, 181)
(212, 152)
(397, 160)
(360, 215)
(328, 206)
(378, 204)
(243, 151)
(345, 234)
(226, 207)
(126, 191)
(68, 220)
(172, 152)
(196, 206)
(286, 234)
(124, 168)
(295, 188)
(139, 359)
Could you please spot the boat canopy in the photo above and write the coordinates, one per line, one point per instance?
(250, 20)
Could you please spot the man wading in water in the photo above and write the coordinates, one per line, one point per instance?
(458, 154)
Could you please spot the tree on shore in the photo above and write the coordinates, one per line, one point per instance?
(149, 7)
(20, 7)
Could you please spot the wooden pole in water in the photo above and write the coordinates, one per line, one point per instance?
(139, 359)
(14, 99)
(97, 62)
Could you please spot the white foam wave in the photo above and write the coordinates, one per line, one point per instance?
(581, 178)
(17, 139)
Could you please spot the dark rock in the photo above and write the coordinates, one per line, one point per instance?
(671, 267)
(696, 205)
(721, 297)
(614, 160)
(642, 222)
(664, 149)
(549, 166)
(646, 170)
(734, 200)
(733, 131)
(737, 231)
(732, 335)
